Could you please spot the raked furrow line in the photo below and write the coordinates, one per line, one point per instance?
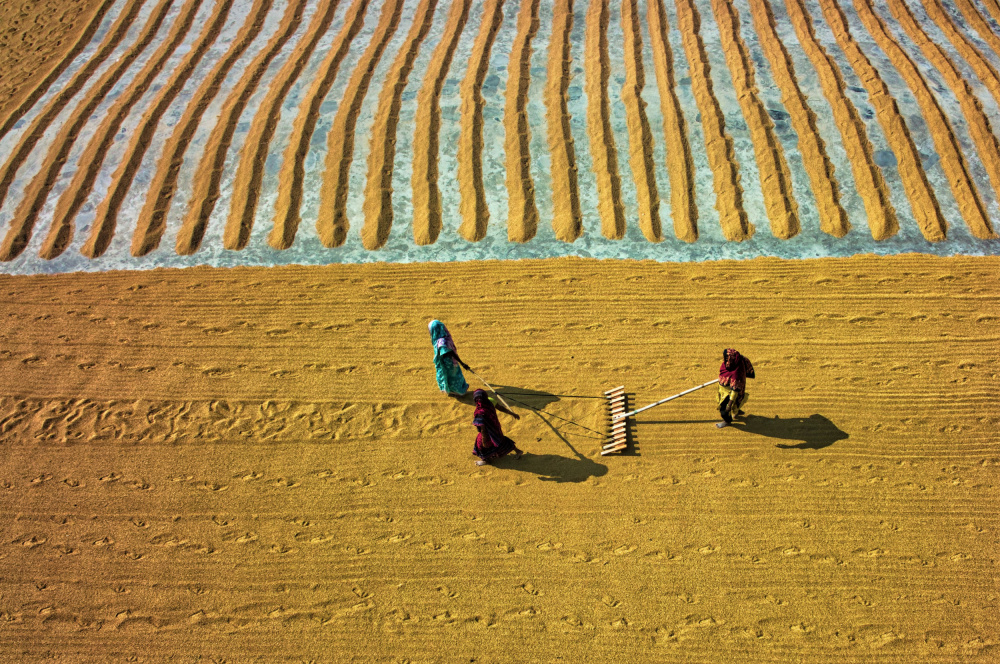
(986, 72)
(208, 176)
(153, 216)
(39, 187)
(680, 163)
(16, 113)
(89, 165)
(718, 143)
(832, 216)
(978, 23)
(952, 161)
(775, 178)
(40, 125)
(111, 101)
(253, 155)
(567, 219)
(425, 194)
(522, 214)
(332, 223)
(603, 153)
(640, 138)
(287, 215)
(923, 202)
(103, 227)
(992, 6)
(868, 178)
(382, 152)
(472, 202)
(975, 117)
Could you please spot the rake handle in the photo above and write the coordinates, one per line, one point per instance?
(661, 401)
(490, 388)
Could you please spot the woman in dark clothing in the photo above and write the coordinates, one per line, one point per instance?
(491, 443)
(733, 376)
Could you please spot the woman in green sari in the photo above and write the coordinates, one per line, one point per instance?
(446, 361)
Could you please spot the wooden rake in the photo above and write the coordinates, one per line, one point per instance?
(617, 439)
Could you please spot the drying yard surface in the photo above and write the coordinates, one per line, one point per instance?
(256, 462)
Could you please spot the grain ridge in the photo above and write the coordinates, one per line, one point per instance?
(882, 221)
(923, 203)
(43, 121)
(718, 143)
(33, 95)
(775, 178)
(522, 213)
(640, 137)
(952, 160)
(603, 153)
(680, 163)
(832, 216)
(567, 219)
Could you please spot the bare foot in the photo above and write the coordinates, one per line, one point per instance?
(481, 462)
(518, 454)
(722, 424)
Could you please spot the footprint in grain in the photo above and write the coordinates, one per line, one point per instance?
(530, 589)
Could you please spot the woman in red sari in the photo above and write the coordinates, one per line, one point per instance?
(491, 444)
(733, 376)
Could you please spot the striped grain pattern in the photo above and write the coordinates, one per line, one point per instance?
(426, 194)
(923, 201)
(868, 178)
(250, 170)
(718, 143)
(271, 96)
(382, 152)
(152, 218)
(36, 192)
(292, 175)
(208, 176)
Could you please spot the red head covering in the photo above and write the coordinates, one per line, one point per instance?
(485, 417)
(734, 370)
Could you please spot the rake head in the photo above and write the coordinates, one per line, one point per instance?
(617, 404)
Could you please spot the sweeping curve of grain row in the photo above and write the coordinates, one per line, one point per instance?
(303, 85)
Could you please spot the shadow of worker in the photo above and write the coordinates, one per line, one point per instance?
(553, 467)
(528, 398)
(815, 431)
